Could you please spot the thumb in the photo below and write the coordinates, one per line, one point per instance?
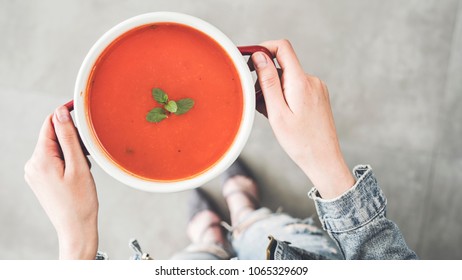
(68, 138)
(270, 84)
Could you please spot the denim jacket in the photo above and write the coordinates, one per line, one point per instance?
(357, 221)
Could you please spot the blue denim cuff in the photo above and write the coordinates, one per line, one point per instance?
(354, 208)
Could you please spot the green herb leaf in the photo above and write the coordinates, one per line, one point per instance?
(171, 106)
(184, 105)
(159, 95)
(156, 115)
(179, 107)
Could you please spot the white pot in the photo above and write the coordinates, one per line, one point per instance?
(248, 91)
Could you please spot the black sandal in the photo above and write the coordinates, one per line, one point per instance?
(238, 168)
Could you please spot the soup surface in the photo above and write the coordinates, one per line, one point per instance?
(183, 62)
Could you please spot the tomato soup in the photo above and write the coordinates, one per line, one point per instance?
(183, 62)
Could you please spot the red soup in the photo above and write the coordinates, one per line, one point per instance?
(184, 63)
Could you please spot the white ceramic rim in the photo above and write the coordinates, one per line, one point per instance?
(160, 186)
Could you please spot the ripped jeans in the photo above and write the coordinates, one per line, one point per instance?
(266, 235)
(355, 221)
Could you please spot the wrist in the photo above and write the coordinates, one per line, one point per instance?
(331, 178)
(80, 244)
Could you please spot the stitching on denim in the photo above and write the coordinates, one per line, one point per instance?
(366, 176)
(363, 179)
(380, 211)
(338, 245)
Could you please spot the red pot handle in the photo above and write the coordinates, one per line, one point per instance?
(249, 50)
(70, 105)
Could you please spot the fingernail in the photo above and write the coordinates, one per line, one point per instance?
(259, 60)
(62, 114)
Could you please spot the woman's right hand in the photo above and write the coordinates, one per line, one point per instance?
(59, 175)
(299, 111)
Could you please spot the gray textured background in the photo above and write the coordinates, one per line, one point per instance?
(394, 70)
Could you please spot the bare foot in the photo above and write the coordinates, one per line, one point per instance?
(205, 228)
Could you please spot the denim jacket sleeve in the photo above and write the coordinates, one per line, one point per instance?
(357, 221)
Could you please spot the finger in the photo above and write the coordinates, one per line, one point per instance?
(260, 100)
(270, 84)
(293, 77)
(285, 55)
(68, 138)
(47, 143)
